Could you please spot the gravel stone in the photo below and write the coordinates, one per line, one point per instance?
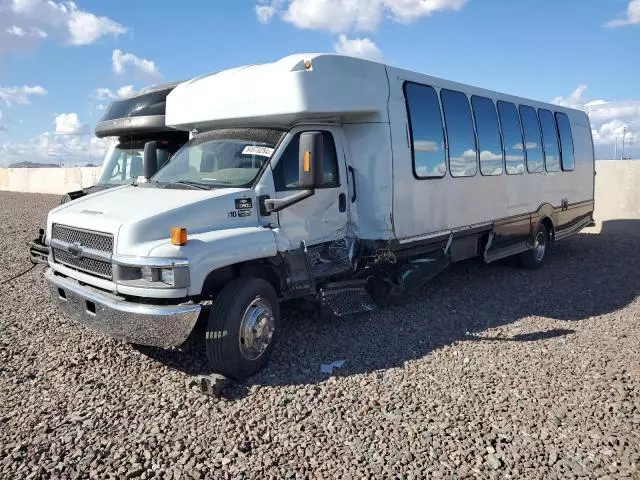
(490, 371)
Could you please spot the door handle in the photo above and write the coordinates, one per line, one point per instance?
(342, 202)
(353, 183)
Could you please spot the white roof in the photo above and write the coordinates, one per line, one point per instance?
(336, 87)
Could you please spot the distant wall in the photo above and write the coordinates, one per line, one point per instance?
(617, 185)
(48, 180)
(617, 194)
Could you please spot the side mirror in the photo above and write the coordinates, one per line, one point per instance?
(311, 150)
(150, 159)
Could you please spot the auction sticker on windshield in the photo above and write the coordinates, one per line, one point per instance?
(257, 150)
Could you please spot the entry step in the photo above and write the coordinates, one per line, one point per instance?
(346, 298)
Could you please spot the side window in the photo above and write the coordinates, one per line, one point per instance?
(489, 139)
(532, 139)
(285, 174)
(460, 135)
(566, 142)
(550, 141)
(512, 134)
(427, 137)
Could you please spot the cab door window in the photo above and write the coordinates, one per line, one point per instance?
(285, 173)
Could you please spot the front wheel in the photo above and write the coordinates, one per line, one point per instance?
(242, 327)
(534, 257)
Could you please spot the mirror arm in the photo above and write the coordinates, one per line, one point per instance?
(277, 204)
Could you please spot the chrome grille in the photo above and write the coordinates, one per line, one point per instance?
(88, 239)
(87, 265)
(63, 238)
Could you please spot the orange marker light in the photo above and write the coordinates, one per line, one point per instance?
(179, 236)
(307, 161)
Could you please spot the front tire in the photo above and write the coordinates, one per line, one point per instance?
(242, 327)
(534, 258)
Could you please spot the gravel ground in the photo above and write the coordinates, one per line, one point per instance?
(489, 372)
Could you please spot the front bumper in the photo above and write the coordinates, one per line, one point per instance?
(156, 325)
(38, 250)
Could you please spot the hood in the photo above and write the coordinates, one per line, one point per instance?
(143, 215)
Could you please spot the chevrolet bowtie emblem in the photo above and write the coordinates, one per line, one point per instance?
(75, 249)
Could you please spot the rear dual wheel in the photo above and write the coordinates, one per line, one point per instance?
(242, 327)
(534, 258)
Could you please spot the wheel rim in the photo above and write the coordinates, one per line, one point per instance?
(256, 329)
(540, 246)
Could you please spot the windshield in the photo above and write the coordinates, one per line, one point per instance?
(122, 165)
(221, 158)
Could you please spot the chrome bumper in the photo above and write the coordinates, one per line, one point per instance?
(156, 325)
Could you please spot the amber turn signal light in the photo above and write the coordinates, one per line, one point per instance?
(307, 161)
(179, 236)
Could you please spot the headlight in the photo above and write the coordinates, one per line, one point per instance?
(167, 276)
(164, 275)
(147, 273)
(152, 277)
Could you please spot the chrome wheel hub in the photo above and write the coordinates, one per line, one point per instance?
(539, 246)
(256, 329)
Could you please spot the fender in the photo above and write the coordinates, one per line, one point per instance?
(545, 210)
(211, 251)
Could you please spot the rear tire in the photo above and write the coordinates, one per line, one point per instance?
(242, 327)
(534, 258)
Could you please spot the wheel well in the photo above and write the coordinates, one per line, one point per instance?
(217, 279)
(546, 221)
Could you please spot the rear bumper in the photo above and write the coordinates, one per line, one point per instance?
(156, 325)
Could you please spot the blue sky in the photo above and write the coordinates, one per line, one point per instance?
(62, 62)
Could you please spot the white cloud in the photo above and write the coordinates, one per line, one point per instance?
(69, 124)
(358, 47)
(265, 13)
(20, 32)
(125, 91)
(631, 16)
(609, 119)
(103, 94)
(407, 11)
(70, 144)
(121, 61)
(345, 15)
(573, 100)
(428, 146)
(50, 147)
(24, 23)
(86, 28)
(20, 95)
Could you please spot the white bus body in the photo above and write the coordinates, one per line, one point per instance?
(323, 177)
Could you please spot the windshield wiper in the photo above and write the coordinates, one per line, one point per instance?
(195, 185)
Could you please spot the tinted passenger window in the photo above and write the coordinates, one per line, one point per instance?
(460, 135)
(512, 134)
(489, 140)
(532, 139)
(566, 141)
(550, 141)
(285, 175)
(427, 137)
